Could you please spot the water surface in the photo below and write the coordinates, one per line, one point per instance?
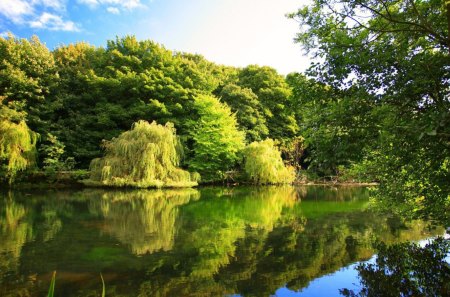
(215, 241)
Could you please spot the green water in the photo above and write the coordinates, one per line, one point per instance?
(208, 242)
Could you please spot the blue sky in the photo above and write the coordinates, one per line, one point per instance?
(230, 32)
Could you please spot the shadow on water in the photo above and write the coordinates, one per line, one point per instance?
(209, 242)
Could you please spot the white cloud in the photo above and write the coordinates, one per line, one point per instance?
(38, 14)
(15, 10)
(113, 10)
(53, 22)
(117, 4)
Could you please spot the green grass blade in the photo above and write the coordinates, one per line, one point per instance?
(103, 283)
(51, 290)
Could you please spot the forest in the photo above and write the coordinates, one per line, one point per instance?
(374, 106)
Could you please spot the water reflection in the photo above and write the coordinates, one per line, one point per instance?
(14, 233)
(211, 242)
(144, 220)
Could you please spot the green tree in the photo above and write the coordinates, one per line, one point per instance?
(332, 122)
(216, 139)
(103, 91)
(274, 95)
(17, 144)
(145, 156)
(27, 78)
(53, 151)
(391, 60)
(247, 107)
(263, 164)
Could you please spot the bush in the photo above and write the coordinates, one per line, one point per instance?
(263, 164)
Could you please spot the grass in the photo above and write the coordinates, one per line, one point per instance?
(51, 289)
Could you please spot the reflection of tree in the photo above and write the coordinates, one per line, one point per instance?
(14, 233)
(233, 240)
(253, 243)
(326, 244)
(406, 270)
(340, 193)
(142, 219)
(209, 237)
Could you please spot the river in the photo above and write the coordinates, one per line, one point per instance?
(212, 241)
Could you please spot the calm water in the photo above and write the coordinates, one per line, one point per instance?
(209, 242)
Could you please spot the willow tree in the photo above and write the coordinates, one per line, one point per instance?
(145, 156)
(263, 164)
(17, 148)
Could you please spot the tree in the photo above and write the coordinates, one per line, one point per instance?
(216, 139)
(332, 122)
(247, 107)
(274, 96)
(263, 164)
(108, 89)
(27, 77)
(391, 60)
(146, 156)
(17, 144)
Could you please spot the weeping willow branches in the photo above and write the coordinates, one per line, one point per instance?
(145, 156)
(263, 164)
(17, 148)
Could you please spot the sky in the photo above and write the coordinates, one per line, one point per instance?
(230, 32)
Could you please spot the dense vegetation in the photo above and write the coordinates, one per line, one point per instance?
(378, 100)
(77, 96)
(374, 106)
(146, 156)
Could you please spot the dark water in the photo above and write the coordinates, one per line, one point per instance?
(209, 242)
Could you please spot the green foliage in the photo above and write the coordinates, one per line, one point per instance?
(53, 151)
(83, 94)
(384, 70)
(333, 123)
(28, 78)
(216, 139)
(146, 156)
(247, 107)
(17, 148)
(109, 89)
(263, 164)
(274, 96)
(406, 269)
(27, 70)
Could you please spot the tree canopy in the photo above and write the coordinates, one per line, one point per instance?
(263, 164)
(217, 142)
(146, 156)
(384, 66)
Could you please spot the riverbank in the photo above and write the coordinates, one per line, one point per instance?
(74, 179)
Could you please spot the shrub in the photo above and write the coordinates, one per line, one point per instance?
(263, 164)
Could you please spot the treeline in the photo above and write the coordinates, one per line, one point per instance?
(79, 95)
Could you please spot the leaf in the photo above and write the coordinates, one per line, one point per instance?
(103, 285)
(51, 290)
